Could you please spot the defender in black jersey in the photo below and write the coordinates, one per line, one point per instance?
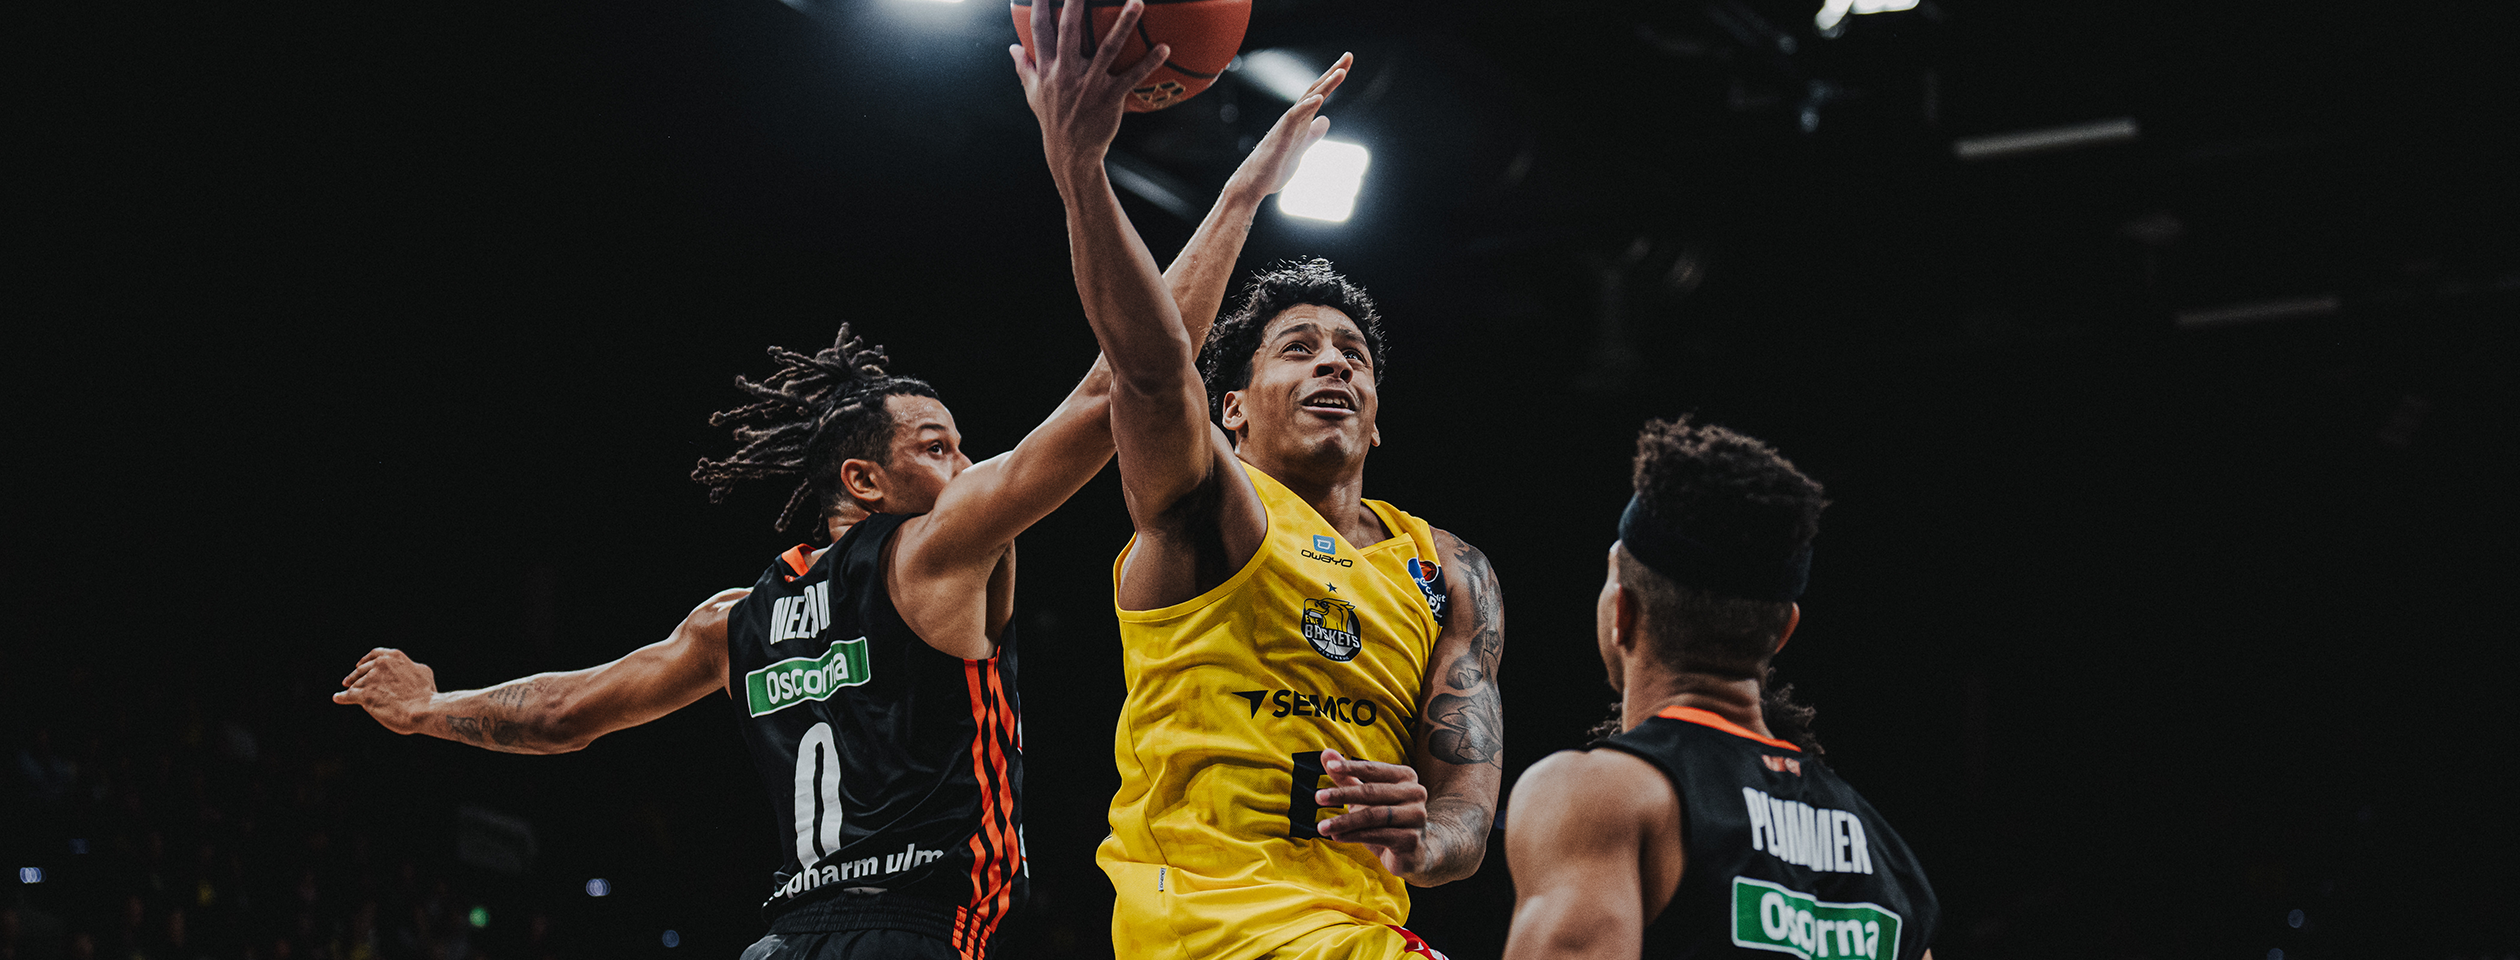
(1697, 830)
(874, 678)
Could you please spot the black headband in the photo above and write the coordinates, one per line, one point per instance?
(1695, 563)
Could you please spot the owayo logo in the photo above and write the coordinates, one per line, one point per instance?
(1328, 552)
(1333, 628)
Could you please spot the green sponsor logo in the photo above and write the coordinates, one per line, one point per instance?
(802, 679)
(1770, 917)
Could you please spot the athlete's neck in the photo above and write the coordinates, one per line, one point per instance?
(1338, 495)
(838, 525)
(1734, 699)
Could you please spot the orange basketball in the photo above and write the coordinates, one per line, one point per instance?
(1204, 34)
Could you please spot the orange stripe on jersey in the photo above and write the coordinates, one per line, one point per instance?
(1001, 793)
(797, 559)
(1708, 718)
(991, 890)
(966, 917)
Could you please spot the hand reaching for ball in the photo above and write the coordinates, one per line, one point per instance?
(1077, 97)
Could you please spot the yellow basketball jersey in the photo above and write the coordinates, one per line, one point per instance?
(1232, 695)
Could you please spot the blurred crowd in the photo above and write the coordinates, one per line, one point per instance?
(198, 836)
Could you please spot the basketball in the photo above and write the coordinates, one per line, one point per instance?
(1204, 34)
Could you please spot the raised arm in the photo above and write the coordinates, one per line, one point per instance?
(550, 712)
(1159, 408)
(943, 555)
(1199, 275)
(1589, 863)
(1458, 761)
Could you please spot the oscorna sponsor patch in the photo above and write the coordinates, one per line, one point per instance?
(1767, 916)
(804, 679)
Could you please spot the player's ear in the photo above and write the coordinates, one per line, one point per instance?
(1623, 614)
(1230, 412)
(1793, 618)
(862, 480)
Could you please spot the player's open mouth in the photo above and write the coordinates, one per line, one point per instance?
(1329, 403)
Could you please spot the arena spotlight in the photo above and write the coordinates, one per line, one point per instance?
(1834, 12)
(1325, 182)
(1278, 72)
(599, 887)
(30, 874)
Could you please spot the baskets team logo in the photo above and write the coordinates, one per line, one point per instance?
(1430, 581)
(1333, 629)
(1161, 95)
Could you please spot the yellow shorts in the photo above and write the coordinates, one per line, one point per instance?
(1356, 941)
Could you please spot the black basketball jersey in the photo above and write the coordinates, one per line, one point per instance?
(1780, 854)
(894, 770)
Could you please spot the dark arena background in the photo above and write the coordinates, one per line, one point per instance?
(2157, 355)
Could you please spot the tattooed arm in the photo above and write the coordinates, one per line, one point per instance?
(1429, 820)
(550, 712)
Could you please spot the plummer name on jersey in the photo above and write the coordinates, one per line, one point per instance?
(1814, 838)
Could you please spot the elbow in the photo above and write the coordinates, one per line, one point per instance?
(1157, 364)
(1460, 869)
(1463, 862)
(1147, 384)
(561, 725)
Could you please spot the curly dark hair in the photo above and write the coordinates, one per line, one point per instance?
(1788, 718)
(1225, 360)
(809, 416)
(1738, 495)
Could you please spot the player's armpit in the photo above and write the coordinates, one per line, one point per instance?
(1576, 848)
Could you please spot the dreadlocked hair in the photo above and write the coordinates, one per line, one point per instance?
(807, 418)
(1789, 719)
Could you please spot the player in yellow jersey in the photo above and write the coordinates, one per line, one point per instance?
(1312, 716)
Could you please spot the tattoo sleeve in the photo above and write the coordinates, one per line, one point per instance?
(1461, 727)
(1466, 723)
(498, 727)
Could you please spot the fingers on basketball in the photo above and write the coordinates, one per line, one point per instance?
(1147, 65)
(1107, 50)
(1199, 38)
(1043, 30)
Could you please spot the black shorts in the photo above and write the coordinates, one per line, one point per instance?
(851, 945)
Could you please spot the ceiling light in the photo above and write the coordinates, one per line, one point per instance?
(1325, 182)
(1278, 72)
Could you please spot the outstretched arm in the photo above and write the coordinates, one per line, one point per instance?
(550, 712)
(1585, 849)
(1458, 761)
